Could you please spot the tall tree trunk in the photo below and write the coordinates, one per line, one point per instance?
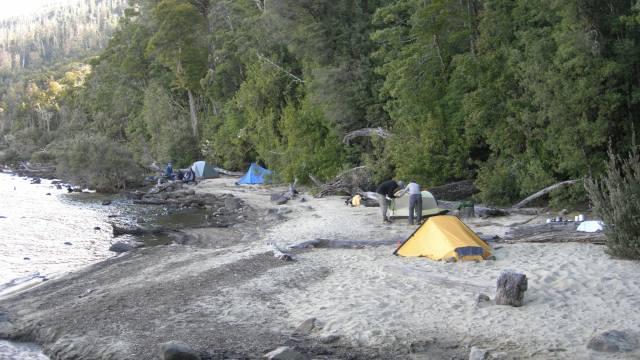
(194, 116)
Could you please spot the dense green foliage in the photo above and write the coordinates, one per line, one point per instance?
(513, 93)
(616, 198)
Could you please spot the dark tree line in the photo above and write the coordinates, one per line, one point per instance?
(515, 94)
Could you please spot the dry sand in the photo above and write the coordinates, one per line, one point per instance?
(233, 298)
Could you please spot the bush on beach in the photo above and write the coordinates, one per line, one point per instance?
(97, 161)
(616, 199)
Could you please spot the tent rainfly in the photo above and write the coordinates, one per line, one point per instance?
(256, 175)
(444, 237)
(204, 170)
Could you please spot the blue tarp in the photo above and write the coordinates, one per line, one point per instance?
(204, 170)
(256, 175)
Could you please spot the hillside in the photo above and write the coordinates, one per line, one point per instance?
(60, 32)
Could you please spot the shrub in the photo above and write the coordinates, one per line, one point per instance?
(616, 199)
(97, 161)
(497, 183)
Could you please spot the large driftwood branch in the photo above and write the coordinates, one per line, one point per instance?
(544, 192)
(317, 182)
(267, 60)
(280, 254)
(551, 233)
(348, 182)
(366, 132)
(227, 172)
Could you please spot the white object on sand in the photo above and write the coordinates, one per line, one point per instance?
(591, 226)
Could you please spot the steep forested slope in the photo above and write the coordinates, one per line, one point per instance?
(516, 94)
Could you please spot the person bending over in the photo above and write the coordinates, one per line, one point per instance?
(386, 192)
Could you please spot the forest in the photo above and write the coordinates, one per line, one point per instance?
(514, 94)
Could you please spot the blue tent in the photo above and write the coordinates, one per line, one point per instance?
(256, 175)
(204, 170)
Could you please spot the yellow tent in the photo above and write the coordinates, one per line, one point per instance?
(443, 237)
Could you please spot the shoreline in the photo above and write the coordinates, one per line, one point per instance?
(226, 295)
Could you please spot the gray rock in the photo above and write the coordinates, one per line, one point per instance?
(68, 243)
(330, 339)
(177, 350)
(303, 199)
(6, 327)
(48, 194)
(279, 211)
(420, 346)
(477, 353)
(124, 246)
(612, 341)
(308, 326)
(106, 202)
(232, 204)
(482, 300)
(284, 353)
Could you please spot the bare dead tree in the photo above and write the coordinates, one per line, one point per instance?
(267, 60)
(380, 132)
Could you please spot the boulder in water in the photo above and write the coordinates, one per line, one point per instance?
(124, 246)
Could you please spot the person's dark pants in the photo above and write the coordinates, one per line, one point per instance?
(415, 207)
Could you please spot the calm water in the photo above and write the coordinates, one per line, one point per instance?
(46, 235)
(43, 236)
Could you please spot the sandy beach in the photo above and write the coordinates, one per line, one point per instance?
(224, 293)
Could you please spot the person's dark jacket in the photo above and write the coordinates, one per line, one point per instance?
(388, 188)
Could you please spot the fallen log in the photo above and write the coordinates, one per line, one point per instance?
(349, 182)
(227, 172)
(119, 230)
(343, 244)
(279, 254)
(543, 192)
(281, 199)
(380, 132)
(552, 233)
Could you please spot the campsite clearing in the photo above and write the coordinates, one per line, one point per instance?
(224, 293)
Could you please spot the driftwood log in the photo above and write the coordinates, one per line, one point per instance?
(543, 192)
(349, 182)
(552, 233)
(227, 172)
(119, 230)
(281, 199)
(459, 190)
(343, 244)
(511, 288)
(279, 254)
(366, 132)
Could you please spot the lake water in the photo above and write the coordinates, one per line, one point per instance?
(47, 232)
(42, 235)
